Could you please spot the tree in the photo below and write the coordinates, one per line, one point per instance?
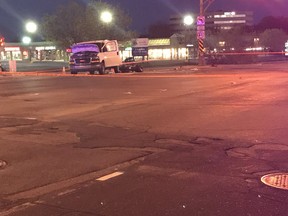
(117, 29)
(76, 22)
(236, 38)
(274, 39)
(211, 40)
(159, 30)
(271, 22)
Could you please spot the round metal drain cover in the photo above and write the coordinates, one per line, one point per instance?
(276, 180)
(3, 164)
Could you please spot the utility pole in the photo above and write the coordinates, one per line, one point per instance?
(201, 8)
(201, 29)
(201, 34)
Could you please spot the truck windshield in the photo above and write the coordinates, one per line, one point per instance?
(84, 48)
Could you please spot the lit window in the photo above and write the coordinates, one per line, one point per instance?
(221, 43)
(230, 22)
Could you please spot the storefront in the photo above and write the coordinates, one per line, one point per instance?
(162, 49)
(37, 51)
(158, 49)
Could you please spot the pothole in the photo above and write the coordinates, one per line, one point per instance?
(255, 150)
(3, 164)
(276, 180)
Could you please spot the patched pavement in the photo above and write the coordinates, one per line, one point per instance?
(192, 176)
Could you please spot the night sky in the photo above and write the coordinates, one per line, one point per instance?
(13, 13)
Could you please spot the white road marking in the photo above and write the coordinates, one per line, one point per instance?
(30, 118)
(66, 192)
(112, 175)
(17, 209)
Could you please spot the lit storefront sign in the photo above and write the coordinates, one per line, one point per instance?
(11, 49)
(11, 53)
(230, 15)
(45, 48)
(230, 22)
(140, 46)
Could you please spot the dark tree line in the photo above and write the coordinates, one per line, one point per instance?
(77, 22)
(270, 32)
(271, 22)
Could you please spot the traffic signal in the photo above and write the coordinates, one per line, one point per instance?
(2, 41)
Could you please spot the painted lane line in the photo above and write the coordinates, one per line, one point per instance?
(17, 209)
(112, 175)
(66, 192)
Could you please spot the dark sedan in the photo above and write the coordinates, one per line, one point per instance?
(130, 65)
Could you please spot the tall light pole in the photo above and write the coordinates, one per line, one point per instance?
(204, 4)
(188, 20)
(31, 28)
(201, 7)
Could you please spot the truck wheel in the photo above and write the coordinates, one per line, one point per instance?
(117, 70)
(92, 72)
(102, 68)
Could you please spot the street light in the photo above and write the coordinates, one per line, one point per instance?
(106, 17)
(188, 20)
(26, 40)
(31, 27)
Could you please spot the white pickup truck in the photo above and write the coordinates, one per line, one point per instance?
(95, 56)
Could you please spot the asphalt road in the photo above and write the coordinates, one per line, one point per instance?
(169, 141)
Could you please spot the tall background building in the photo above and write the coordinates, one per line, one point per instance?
(215, 20)
(228, 20)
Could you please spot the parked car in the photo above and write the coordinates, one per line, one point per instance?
(130, 65)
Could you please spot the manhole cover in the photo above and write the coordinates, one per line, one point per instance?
(276, 180)
(3, 164)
